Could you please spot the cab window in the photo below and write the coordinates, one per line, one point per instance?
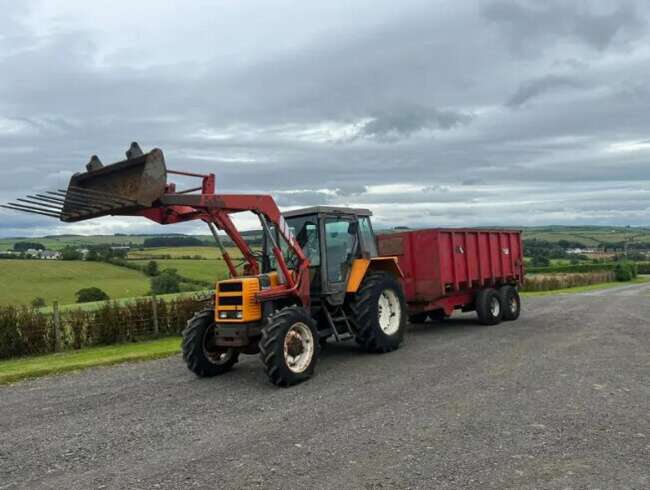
(339, 240)
(367, 236)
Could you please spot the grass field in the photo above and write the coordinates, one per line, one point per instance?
(24, 280)
(591, 236)
(176, 252)
(16, 369)
(201, 270)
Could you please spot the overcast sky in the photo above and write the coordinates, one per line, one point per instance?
(430, 113)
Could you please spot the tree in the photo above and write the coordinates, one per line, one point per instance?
(88, 295)
(70, 253)
(151, 269)
(24, 246)
(38, 302)
(168, 281)
(540, 261)
(172, 241)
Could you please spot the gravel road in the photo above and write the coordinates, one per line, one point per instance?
(559, 399)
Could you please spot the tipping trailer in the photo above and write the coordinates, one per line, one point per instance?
(467, 269)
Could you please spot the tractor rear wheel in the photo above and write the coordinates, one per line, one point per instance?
(200, 351)
(511, 302)
(380, 313)
(489, 307)
(289, 346)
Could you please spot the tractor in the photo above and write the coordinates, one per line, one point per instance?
(317, 276)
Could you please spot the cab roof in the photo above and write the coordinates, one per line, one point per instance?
(327, 210)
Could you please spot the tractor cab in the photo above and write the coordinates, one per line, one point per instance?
(332, 238)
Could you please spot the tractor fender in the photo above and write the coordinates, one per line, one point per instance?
(361, 267)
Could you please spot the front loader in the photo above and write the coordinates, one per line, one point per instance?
(318, 275)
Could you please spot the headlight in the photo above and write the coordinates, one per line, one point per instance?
(239, 315)
(223, 315)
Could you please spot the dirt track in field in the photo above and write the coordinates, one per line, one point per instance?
(559, 399)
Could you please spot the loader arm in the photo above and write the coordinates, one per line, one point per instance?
(137, 186)
(216, 208)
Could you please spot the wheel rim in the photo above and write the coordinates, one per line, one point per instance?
(298, 347)
(514, 306)
(214, 353)
(389, 311)
(495, 307)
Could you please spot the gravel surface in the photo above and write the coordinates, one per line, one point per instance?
(559, 399)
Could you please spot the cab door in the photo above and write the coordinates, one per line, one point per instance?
(340, 238)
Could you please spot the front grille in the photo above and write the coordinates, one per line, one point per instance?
(230, 287)
(230, 300)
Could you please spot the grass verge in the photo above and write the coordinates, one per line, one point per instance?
(32, 367)
(584, 289)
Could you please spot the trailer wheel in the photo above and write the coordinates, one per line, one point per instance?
(511, 302)
(380, 313)
(200, 351)
(489, 307)
(289, 346)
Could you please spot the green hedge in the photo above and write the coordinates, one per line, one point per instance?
(643, 267)
(27, 331)
(609, 266)
(552, 282)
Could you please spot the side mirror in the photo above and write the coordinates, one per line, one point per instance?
(353, 228)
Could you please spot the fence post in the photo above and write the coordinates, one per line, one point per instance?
(154, 309)
(56, 338)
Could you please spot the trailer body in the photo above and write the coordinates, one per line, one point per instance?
(445, 268)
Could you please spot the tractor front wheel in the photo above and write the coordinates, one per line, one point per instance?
(200, 351)
(289, 346)
(380, 313)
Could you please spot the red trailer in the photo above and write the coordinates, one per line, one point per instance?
(467, 269)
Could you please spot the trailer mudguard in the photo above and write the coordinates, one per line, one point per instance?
(361, 267)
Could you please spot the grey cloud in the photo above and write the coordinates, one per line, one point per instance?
(270, 115)
(596, 24)
(351, 190)
(538, 86)
(408, 121)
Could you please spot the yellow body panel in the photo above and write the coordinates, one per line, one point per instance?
(360, 267)
(251, 309)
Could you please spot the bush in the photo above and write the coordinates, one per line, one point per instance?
(168, 281)
(89, 295)
(70, 253)
(625, 271)
(152, 269)
(38, 302)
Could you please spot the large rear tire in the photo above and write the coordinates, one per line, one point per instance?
(489, 307)
(511, 303)
(380, 313)
(289, 346)
(200, 351)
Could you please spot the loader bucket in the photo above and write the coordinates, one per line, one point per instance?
(116, 189)
(122, 188)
